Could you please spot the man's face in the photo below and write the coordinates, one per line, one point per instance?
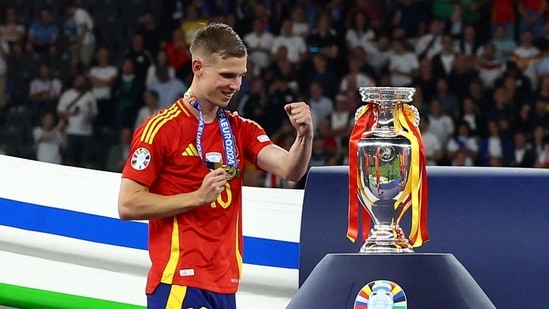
(220, 78)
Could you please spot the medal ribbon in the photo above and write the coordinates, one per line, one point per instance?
(229, 145)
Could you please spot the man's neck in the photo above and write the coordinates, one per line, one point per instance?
(209, 111)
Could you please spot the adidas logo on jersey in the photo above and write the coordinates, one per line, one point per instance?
(190, 151)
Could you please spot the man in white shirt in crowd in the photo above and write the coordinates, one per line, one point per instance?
(295, 45)
(79, 28)
(77, 106)
(259, 44)
(321, 105)
(44, 91)
(169, 89)
(433, 148)
(102, 77)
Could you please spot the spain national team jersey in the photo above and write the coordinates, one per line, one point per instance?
(202, 247)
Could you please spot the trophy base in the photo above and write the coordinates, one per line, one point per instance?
(427, 280)
(386, 239)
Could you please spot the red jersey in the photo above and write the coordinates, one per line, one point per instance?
(503, 11)
(202, 247)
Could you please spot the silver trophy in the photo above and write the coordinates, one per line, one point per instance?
(384, 157)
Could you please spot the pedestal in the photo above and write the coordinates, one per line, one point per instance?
(428, 281)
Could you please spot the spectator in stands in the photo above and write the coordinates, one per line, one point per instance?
(540, 114)
(279, 93)
(411, 16)
(77, 106)
(531, 17)
(102, 76)
(378, 58)
(440, 124)
(295, 46)
(360, 79)
(501, 111)
(321, 105)
(522, 154)
(127, 95)
(430, 43)
(118, 154)
(540, 145)
(470, 113)
(169, 89)
(419, 101)
(443, 62)
(49, 138)
(150, 108)
(360, 34)
(449, 101)
(153, 36)
(425, 79)
(517, 94)
(369, 9)
(320, 72)
(43, 34)
(542, 42)
(526, 56)
(252, 103)
(489, 66)
(463, 146)
(300, 26)
(543, 90)
(161, 62)
(11, 31)
(323, 39)
(283, 69)
(44, 92)
(503, 14)
(259, 43)
(341, 121)
(505, 46)
(79, 28)
(433, 149)
(140, 57)
(493, 147)
(177, 52)
(461, 74)
(191, 22)
(468, 43)
(403, 65)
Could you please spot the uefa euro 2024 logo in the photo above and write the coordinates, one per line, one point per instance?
(381, 294)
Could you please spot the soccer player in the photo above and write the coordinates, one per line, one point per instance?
(184, 177)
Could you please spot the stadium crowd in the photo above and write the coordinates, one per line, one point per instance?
(77, 77)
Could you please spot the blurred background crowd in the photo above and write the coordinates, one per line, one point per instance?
(77, 77)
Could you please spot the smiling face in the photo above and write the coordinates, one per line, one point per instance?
(219, 79)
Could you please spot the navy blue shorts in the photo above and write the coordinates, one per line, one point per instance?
(168, 296)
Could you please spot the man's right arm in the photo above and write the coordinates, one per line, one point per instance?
(135, 202)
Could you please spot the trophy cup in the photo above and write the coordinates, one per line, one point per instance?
(388, 176)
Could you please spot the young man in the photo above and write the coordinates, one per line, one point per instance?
(184, 177)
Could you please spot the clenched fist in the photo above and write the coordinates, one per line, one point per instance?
(299, 114)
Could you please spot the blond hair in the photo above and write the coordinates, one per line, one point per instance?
(218, 39)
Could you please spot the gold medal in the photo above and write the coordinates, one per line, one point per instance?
(231, 172)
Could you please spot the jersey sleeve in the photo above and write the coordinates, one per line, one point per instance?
(254, 138)
(145, 158)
